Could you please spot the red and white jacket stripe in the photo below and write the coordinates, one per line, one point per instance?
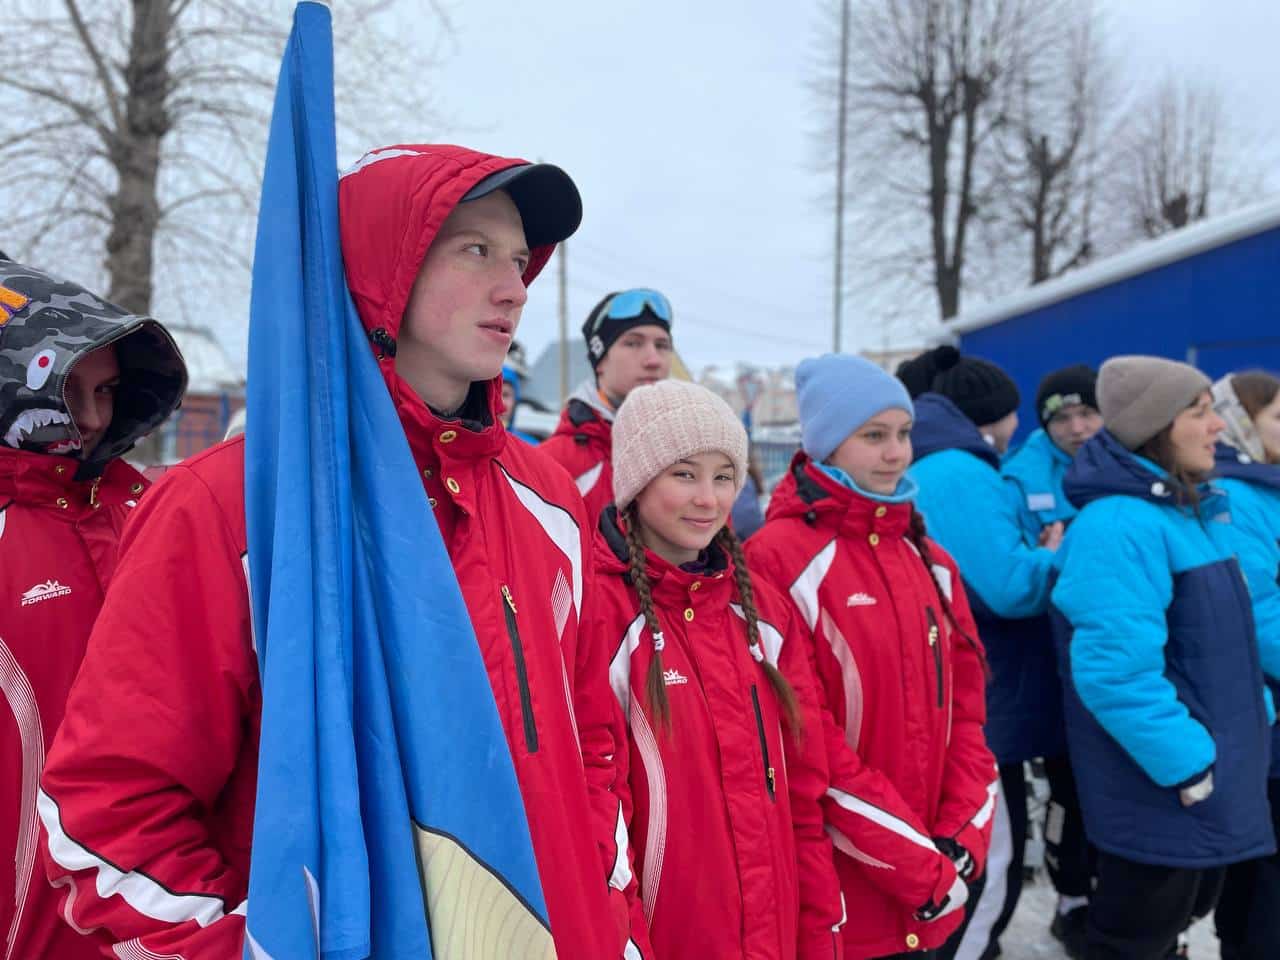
(904, 692)
(724, 805)
(583, 444)
(59, 538)
(149, 789)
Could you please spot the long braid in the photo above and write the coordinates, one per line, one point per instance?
(918, 536)
(655, 683)
(781, 688)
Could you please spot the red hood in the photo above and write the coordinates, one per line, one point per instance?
(808, 493)
(820, 494)
(390, 211)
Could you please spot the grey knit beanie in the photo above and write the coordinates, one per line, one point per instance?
(1139, 396)
(663, 422)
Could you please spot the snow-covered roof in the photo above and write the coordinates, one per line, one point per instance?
(1177, 245)
(209, 368)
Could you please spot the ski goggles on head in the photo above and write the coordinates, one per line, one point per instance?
(630, 304)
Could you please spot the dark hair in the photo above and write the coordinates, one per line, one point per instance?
(1159, 449)
(918, 537)
(655, 684)
(1255, 389)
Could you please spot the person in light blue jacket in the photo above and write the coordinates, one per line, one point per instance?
(1167, 717)
(1067, 406)
(1248, 469)
(966, 413)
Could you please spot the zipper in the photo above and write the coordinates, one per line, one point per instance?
(93, 493)
(936, 648)
(769, 780)
(522, 671)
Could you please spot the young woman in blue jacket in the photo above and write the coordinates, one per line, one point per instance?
(1167, 719)
(1248, 469)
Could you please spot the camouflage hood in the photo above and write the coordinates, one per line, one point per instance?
(47, 325)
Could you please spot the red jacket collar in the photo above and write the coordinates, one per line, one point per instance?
(41, 480)
(808, 492)
(669, 584)
(436, 439)
(579, 419)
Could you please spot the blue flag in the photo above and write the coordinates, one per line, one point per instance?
(389, 822)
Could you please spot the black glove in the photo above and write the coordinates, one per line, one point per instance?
(963, 860)
(953, 900)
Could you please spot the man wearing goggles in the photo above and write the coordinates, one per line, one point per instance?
(628, 336)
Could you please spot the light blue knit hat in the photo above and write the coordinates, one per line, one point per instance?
(839, 392)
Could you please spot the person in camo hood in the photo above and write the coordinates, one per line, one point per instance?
(81, 381)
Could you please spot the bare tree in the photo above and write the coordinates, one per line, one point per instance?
(1049, 149)
(137, 142)
(929, 91)
(1171, 159)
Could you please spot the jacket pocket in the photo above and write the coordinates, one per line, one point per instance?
(769, 781)
(522, 670)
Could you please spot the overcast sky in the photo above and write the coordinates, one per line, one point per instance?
(688, 130)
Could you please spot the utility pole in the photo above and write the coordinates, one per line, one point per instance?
(837, 293)
(563, 277)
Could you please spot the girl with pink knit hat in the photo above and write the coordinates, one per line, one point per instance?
(724, 766)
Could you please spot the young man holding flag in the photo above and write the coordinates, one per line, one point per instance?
(342, 735)
(439, 244)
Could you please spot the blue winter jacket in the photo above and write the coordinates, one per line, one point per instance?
(1162, 676)
(972, 511)
(510, 376)
(1254, 491)
(1035, 470)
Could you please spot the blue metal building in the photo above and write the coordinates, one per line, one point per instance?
(1208, 294)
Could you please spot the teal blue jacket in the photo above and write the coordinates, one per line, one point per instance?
(1035, 471)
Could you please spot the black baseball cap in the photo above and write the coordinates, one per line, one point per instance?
(546, 197)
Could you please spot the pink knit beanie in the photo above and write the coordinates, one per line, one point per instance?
(667, 421)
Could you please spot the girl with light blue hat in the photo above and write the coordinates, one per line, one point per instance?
(901, 672)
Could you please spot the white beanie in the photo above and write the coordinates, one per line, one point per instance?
(661, 423)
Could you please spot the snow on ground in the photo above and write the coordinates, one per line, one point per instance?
(1028, 936)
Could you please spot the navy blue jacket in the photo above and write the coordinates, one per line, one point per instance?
(1162, 675)
(973, 512)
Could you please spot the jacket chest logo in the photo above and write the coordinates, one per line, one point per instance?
(861, 600)
(41, 592)
(673, 677)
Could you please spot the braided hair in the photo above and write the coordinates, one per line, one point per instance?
(918, 537)
(655, 684)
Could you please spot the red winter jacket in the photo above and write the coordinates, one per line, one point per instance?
(59, 539)
(906, 694)
(168, 703)
(724, 808)
(583, 445)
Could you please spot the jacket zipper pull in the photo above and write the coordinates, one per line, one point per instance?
(772, 780)
(934, 636)
(93, 493)
(506, 595)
